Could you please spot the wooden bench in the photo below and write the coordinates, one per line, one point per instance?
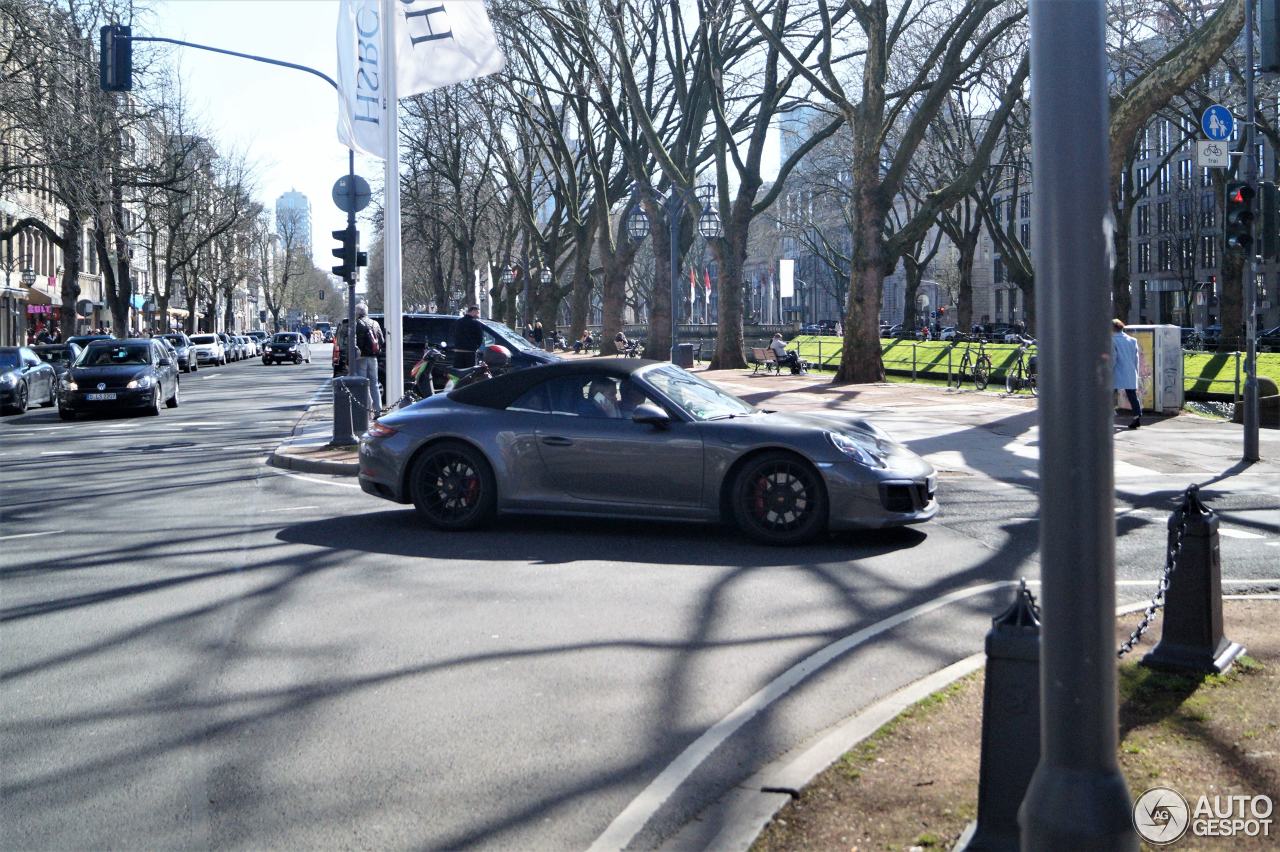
(765, 357)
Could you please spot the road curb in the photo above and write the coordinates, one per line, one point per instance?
(752, 804)
(292, 461)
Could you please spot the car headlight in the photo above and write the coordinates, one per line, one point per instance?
(141, 382)
(863, 455)
(8, 380)
(70, 384)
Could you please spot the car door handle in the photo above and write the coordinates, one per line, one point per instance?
(557, 442)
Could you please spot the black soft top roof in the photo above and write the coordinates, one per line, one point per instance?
(501, 391)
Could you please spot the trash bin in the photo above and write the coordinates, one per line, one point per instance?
(684, 355)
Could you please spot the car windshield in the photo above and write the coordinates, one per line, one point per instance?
(204, 338)
(175, 339)
(9, 360)
(115, 356)
(284, 338)
(509, 337)
(699, 399)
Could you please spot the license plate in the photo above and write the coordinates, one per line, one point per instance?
(98, 397)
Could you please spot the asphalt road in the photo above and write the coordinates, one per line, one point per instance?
(202, 651)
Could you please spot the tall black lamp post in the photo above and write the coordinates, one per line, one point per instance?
(674, 205)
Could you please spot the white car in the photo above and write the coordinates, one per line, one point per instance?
(947, 333)
(209, 349)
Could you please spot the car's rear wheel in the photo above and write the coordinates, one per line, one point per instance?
(174, 401)
(453, 487)
(778, 498)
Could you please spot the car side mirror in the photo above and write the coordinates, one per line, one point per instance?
(650, 414)
(165, 362)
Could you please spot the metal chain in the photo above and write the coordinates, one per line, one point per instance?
(376, 412)
(1157, 601)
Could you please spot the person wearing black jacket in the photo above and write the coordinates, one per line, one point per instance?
(468, 336)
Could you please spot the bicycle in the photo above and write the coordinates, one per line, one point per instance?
(1022, 373)
(979, 368)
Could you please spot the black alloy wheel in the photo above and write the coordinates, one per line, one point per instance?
(174, 401)
(453, 487)
(266, 362)
(20, 399)
(779, 498)
(66, 413)
(153, 410)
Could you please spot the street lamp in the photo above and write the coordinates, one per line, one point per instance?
(28, 276)
(708, 226)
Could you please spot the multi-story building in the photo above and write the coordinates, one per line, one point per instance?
(294, 206)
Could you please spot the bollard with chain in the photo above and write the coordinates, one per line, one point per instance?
(350, 416)
(1010, 725)
(1192, 638)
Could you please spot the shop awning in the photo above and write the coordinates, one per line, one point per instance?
(178, 312)
(42, 294)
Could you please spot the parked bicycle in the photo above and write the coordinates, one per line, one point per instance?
(975, 367)
(1021, 374)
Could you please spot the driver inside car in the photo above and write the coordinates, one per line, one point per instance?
(602, 399)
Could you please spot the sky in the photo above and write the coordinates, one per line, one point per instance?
(284, 120)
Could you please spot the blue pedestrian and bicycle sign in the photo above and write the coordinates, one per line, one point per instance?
(1217, 123)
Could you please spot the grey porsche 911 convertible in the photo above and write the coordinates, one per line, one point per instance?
(640, 439)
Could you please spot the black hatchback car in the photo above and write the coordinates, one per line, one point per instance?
(287, 346)
(59, 356)
(114, 374)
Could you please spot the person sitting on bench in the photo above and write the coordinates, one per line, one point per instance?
(785, 358)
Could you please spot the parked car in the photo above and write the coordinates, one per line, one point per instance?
(1269, 340)
(228, 346)
(242, 346)
(57, 355)
(287, 346)
(662, 443)
(187, 363)
(255, 347)
(948, 333)
(260, 338)
(115, 374)
(209, 349)
(25, 379)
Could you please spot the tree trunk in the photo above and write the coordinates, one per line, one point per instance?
(1121, 301)
(71, 261)
(964, 298)
(730, 252)
(861, 359)
(912, 273)
(659, 343)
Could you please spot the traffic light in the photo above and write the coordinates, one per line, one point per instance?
(115, 58)
(1239, 216)
(1269, 201)
(348, 240)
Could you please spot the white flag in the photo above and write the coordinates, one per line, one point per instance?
(442, 42)
(437, 43)
(362, 102)
(786, 278)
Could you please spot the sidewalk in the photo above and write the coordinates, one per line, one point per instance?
(963, 433)
(307, 449)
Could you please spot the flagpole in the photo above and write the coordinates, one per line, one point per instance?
(392, 295)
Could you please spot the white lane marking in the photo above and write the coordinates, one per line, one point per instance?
(637, 814)
(212, 376)
(311, 479)
(1231, 533)
(58, 453)
(1251, 597)
(1273, 544)
(292, 509)
(28, 535)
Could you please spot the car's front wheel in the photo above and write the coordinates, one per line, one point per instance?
(453, 487)
(153, 410)
(779, 498)
(20, 399)
(66, 414)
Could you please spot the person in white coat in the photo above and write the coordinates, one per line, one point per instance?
(1124, 359)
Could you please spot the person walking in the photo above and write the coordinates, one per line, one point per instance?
(468, 336)
(1124, 359)
(368, 346)
(537, 333)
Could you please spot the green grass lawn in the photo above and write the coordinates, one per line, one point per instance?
(1207, 372)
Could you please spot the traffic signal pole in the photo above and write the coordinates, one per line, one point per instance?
(1077, 799)
(353, 271)
(1250, 288)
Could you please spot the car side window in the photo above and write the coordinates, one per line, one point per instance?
(535, 400)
